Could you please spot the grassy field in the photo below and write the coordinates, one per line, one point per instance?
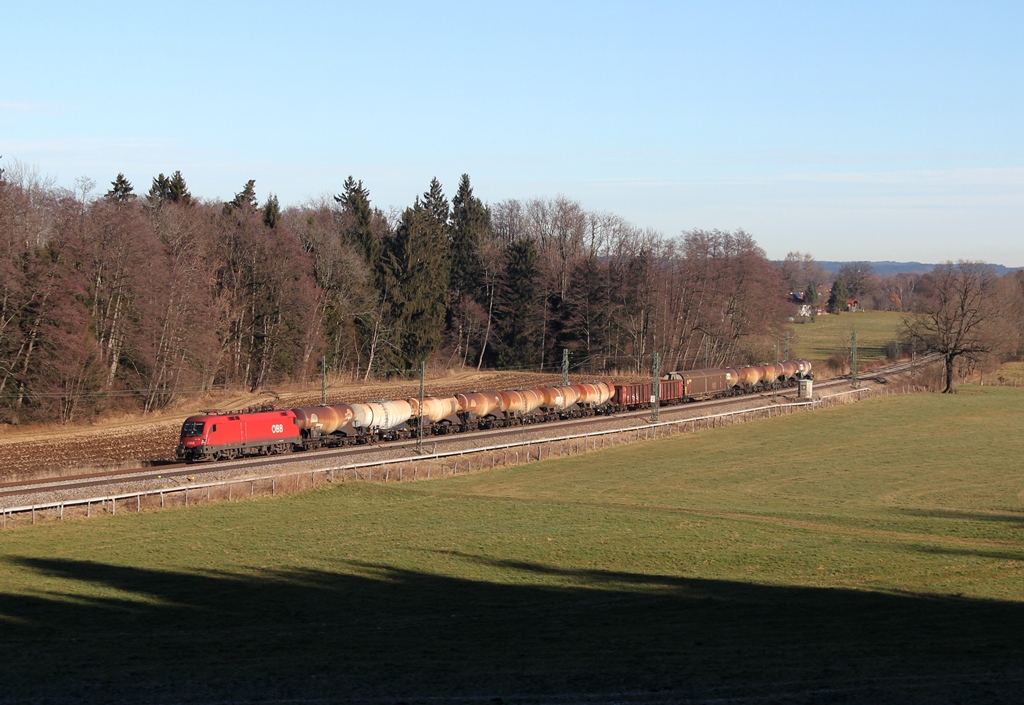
(1010, 374)
(871, 553)
(830, 335)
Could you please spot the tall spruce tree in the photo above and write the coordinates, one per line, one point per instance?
(811, 294)
(518, 317)
(168, 190)
(419, 266)
(159, 191)
(471, 222)
(838, 296)
(178, 190)
(358, 223)
(121, 190)
(271, 212)
(246, 198)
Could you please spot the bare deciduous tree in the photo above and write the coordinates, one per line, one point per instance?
(957, 313)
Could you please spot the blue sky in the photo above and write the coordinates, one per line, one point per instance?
(850, 130)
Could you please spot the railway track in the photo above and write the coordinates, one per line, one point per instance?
(176, 472)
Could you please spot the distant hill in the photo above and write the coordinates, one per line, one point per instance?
(885, 268)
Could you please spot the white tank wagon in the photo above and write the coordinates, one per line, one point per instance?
(381, 416)
(339, 424)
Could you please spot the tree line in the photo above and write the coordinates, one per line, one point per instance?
(122, 300)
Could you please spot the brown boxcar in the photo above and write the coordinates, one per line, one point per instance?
(701, 384)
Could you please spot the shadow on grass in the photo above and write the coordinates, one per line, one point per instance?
(975, 552)
(1008, 516)
(379, 633)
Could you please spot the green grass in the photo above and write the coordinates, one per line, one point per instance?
(830, 335)
(1009, 373)
(871, 553)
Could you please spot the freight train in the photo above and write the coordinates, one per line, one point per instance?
(216, 436)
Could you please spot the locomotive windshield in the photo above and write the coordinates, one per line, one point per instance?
(192, 428)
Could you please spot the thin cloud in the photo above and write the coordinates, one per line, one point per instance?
(988, 176)
(16, 107)
(75, 147)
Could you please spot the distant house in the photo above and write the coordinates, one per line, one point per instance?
(852, 304)
(803, 309)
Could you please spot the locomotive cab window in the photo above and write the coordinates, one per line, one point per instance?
(213, 428)
(192, 428)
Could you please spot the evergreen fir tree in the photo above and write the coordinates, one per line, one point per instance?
(471, 221)
(246, 198)
(168, 190)
(159, 192)
(271, 212)
(355, 201)
(121, 190)
(811, 295)
(436, 205)
(419, 266)
(838, 296)
(177, 190)
(518, 318)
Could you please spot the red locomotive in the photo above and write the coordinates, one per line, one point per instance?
(221, 437)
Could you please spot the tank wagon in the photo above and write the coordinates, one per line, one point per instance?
(225, 436)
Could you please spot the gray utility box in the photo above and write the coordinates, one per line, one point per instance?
(806, 388)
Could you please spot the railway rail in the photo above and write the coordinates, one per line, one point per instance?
(373, 455)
